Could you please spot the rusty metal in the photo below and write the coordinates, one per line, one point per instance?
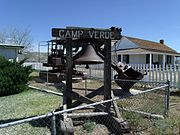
(88, 56)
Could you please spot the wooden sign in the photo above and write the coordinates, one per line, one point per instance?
(91, 33)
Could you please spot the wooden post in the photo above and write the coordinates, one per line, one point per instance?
(116, 109)
(121, 58)
(174, 77)
(174, 61)
(107, 73)
(150, 61)
(164, 61)
(69, 63)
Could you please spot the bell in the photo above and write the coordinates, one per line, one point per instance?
(88, 56)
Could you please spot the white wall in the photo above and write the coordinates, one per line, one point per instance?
(133, 58)
(9, 53)
(155, 58)
(37, 66)
(137, 59)
(124, 43)
(114, 58)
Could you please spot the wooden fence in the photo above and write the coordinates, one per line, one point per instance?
(158, 73)
(155, 73)
(37, 66)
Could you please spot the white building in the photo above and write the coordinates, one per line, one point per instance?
(138, 51)
(10, 51)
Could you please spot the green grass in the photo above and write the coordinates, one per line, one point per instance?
(28, 103)
(35, 73)
(32, 102)
(153, 103)
(89, 126)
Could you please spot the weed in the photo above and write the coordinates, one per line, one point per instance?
(89, 126)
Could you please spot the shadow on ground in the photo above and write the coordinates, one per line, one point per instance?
(175, 93)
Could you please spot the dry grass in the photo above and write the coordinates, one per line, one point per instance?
(34, 103)
(152, 103)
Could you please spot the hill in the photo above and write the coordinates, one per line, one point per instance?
(33, 56)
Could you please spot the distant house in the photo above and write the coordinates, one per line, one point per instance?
(10, 51)
(139, 51)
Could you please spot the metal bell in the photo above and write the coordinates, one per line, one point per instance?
(89, 56)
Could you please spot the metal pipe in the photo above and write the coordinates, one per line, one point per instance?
(167, 94)
(39, 49)
(46, 90)
(72, 109)
(91, 114)
(53, 124)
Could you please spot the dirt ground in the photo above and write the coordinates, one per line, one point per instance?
(85, 87)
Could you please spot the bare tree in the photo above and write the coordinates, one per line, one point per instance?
(17, 36)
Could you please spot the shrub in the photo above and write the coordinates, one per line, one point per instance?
(89, 126)
(170, 125)
(13, 77)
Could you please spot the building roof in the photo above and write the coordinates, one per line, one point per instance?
(151, 46)
(11, 46)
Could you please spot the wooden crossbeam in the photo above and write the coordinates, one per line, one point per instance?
(90, 95)
(84, 99)
(116, 109)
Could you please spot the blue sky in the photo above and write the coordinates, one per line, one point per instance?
(146, 19)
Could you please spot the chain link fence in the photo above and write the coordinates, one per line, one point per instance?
(133, 112)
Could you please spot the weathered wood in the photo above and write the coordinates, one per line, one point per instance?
(86, 33)
(112, 124)
(66, 126)
(69, 63)
(96, 92)
(90, 95)
(84, 99)
(144, 114)
(107, 73)
(116, 108)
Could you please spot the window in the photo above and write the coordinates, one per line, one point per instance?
(169, 59)
(147, 58)
(126, 59)
(119, 58)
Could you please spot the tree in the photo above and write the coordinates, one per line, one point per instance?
(13, 77)
(17, 36)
